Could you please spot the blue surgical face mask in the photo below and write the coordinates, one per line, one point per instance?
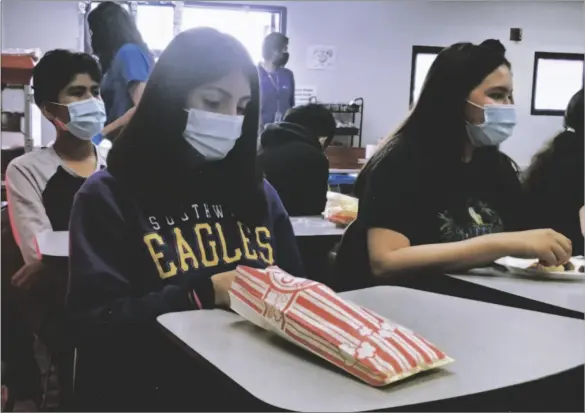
(86, 118)
(498, 125)
(213, 135)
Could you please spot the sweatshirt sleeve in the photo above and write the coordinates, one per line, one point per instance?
(287, 252)
(28, 217)
(103, 297)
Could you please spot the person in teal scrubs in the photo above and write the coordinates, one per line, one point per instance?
(126, 63)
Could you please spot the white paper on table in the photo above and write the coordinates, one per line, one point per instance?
(521, 267)
(53, 243)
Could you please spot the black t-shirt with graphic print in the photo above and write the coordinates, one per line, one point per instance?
(429, 204)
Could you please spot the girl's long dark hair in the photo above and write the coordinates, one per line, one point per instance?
(554, 183)
(112, 27)
(434, 133)
(564, 152)
(151, 151)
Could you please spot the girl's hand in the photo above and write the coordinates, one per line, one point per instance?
(222, 283)
(548, 246)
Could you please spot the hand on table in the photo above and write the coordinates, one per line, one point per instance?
(550, 247)
(222, 283)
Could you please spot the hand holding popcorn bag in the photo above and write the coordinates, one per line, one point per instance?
(312, 316)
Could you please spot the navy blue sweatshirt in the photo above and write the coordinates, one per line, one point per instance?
(130, 264)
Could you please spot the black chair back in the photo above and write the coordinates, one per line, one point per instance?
(350, 272)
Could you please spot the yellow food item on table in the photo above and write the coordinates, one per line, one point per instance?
(568, 266)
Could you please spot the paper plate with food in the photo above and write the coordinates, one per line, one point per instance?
(574, 269)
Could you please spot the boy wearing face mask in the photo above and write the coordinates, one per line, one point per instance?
(277, 84)
(40, 185)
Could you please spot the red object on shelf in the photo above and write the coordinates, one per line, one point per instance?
(17, 69)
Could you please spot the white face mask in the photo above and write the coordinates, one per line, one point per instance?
(498, 125)
(213, 135)
(86, 118)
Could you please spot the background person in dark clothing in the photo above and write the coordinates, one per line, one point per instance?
(554, 181)
(294, 161)
(277, 84)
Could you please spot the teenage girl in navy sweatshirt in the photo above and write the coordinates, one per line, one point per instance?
(180, 205)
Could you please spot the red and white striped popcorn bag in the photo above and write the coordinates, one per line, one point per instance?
(310, 315)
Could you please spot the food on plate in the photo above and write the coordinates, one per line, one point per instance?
(340, 209)
(568, 266)
(547, 268)
(582, 268)
(539, 266)
(343, 218)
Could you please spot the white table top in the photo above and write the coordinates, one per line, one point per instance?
(314, 226)
(53, 243)
(565, 294)
(56, 243)
(493, 347)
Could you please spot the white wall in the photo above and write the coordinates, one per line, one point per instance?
(45, 25)
(374, 40)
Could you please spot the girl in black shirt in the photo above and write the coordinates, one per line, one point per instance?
(439, 195)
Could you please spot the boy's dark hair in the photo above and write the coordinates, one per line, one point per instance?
(57, 68)
(315, 118)
(272, 42)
